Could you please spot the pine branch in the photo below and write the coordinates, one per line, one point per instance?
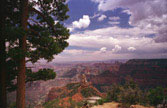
(44, 17)
(36, 22)
(35, 32)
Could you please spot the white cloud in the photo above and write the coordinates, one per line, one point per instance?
(74, 52)
(71, 29)
(82, 23)
(117, 40)
(114, 22)
(103, 49)
(131, 49)
(144, 13)
(95, 15)
(102, 17)
(127, 11)
(67, 1)
(123, 37)
(116, 49)
(114, 18)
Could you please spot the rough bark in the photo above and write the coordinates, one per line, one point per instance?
(3, 93)
(20, 99)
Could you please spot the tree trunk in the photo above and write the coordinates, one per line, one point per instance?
(3, 74)
(20, 100)
(3, 93)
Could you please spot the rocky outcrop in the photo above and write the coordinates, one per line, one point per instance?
(77, 91)
(145, 72)
(90, 69)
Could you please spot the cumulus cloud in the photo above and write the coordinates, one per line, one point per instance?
(144, 13)
(116, 49)
(117, 40)
(82, 23)
(102, 17)
(71, 29)
(103, 49)
(131, 49)
(123, 37)
(111, 36)
(127, 11)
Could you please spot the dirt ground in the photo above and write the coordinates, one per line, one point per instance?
(115, 105)
(107, 105)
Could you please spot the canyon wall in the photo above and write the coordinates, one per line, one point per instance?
(145, 72)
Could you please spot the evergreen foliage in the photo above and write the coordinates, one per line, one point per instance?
(42, 74)
(130, 94)
(157, 95)
(44, 32)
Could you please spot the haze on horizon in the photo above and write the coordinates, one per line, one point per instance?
(115, 29)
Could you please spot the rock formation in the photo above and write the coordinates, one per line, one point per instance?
(84, 82)
(145, 72)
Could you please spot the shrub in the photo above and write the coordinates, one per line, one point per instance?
(129, 93)
(100, 102)
(113, 94)
(156, 96)
(73, 86)
(87, 92)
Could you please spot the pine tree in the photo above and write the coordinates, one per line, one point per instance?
(43, 37)
(8, 22)
(38, 25)
(5, 24)
(2, 55)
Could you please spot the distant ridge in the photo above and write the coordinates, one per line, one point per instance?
(147, 73)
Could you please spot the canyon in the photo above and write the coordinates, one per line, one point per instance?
(102, 74)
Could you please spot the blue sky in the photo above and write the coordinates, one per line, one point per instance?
(115, 29)
(78, 8)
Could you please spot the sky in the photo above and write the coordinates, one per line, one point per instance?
(115, 29)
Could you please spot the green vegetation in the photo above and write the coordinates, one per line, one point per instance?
(156, 95)
(58, 103)
(73, 92)
(101, 101)
(74, 104)
(66, 93)
(127, 94)
(27, 35)
(42, 74)
(88, 92)
(12, 105)
(73, 86)
(130, 94)
(52, 104)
